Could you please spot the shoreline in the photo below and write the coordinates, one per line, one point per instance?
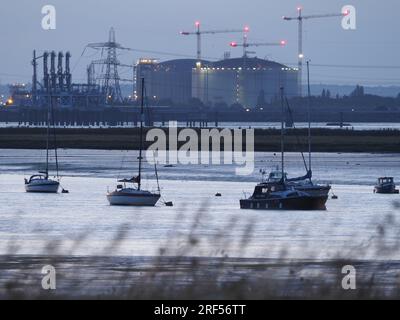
(266, 140)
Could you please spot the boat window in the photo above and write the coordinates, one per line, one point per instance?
(276, 176)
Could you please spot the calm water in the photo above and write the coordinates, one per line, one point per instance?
(83, 223)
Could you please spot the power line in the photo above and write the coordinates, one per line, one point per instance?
(350, 66)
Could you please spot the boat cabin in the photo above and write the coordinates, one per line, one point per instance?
(276, 176)
(35, 178)
(265, 189)
(386, 180)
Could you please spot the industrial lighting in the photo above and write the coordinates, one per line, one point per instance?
(301, 56)
(10, 102)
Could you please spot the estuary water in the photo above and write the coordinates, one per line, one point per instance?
(358, 225)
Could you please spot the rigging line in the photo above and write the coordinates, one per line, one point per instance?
(348, 66)
(297, 137)
(122, 164)
(173, 54)
(147, 105)
(54, 136)
(77, 62)
(48, 135)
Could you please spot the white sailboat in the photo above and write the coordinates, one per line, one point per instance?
(135, 195)
(41, 183)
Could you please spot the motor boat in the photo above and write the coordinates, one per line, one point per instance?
(386, 185)
(280, 196)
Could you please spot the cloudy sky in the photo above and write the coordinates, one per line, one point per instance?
(154, 26)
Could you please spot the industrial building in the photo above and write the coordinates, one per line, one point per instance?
(241, 80)
(167, 81)
(57, 84)
(244, 81)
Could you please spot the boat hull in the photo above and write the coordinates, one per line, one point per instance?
(43, 187)
(386, 190)
(126, 199)
(296, 203)
(314, 190)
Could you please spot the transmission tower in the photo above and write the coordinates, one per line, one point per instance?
(109, 77)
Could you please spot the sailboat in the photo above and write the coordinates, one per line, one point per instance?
(304, 183)
(41, 183)
(278, 193)
(129, 192)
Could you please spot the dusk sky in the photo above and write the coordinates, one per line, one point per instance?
(155, 25)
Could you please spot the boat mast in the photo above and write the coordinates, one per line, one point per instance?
(156, 171)
(48, 135)
(309, 115)
(283, 135)
(141, 134)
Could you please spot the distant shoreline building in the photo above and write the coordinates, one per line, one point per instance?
(166, 81)
(245, 81)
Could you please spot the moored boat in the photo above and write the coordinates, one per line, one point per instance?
(303, 184)
(280, 196)
(280, 193)
(386, 185)
(41, 183)
(135, 195)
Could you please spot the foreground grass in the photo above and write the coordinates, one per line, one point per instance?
(194, 278)
(177, 274)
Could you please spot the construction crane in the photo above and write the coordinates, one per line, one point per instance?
(246, 45)
(300, 18)
(198, 32)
